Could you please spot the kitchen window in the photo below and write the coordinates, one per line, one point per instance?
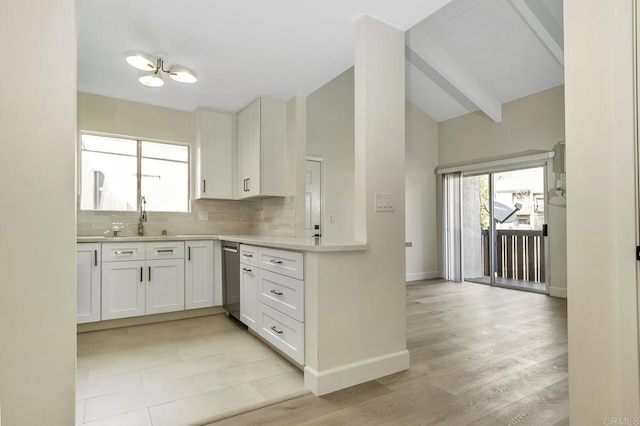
(117, 172)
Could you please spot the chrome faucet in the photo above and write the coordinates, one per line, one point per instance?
(143, 215)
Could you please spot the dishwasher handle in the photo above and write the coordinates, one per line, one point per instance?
(230, 249)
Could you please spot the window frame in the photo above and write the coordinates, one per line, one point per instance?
(139, 141)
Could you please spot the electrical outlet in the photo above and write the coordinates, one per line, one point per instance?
(203, 215)
(332, 218)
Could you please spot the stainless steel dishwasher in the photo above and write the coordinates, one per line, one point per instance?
(231, 278)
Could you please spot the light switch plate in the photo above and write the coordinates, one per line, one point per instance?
(203, 215)
(384, 203)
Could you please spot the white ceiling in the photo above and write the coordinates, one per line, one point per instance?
(242, 49)
(489, 43)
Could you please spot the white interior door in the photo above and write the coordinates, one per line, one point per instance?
(313, 198)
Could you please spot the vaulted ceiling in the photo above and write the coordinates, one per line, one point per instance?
(478, 54)
(462, 55)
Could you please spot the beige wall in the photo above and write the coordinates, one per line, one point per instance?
(296, 155)
(116, 116)
(601, 218)
(421, 158)
(330, 135)
(37, 288)
(126, 118)
(535, 122)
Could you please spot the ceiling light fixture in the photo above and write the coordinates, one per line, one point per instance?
(151, 67)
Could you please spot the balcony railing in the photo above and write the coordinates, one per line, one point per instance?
(520, 255)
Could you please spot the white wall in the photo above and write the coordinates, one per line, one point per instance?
(533, 122)
(330, 135)
(421, 158)
(601, 222)
(37, 172)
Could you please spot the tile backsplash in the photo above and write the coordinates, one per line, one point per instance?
(269, 216)
(275, 217)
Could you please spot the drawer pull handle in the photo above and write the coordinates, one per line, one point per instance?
(95, 257)
(250, 256)
(277, 293)
(273, 327)
(247, 270)
(165, 250)
(124, 252)
(276, 262)
(141, 274)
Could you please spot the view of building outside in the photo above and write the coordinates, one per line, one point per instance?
(109, 176)
(524, 187)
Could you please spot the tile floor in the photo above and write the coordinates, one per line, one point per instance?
(177, 373)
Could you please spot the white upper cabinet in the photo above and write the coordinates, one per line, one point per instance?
(214, 155)
(262, 132)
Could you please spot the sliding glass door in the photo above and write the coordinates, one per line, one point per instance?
(503, 227)
(475, 228)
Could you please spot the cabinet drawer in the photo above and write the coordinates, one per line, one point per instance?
(284, 294)
(281, 331)
(289, 263)
(114, 252)
(165, 250)
(249, 255)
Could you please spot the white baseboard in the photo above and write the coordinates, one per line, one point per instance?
(417, 276)
(334, 379)
(558, 292)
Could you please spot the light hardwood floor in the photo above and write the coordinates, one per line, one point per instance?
(479, 355)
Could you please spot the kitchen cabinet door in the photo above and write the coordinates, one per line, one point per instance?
(165, 286)
(123, 289)
(262, 134)
(249, 162)
(249, 296)
(214, 155)
(199, 274)
(88, 262)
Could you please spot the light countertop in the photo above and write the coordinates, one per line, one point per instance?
(290, 243)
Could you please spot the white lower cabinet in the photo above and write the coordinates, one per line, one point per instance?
(272, 298)
(282, 331)
(123, 289)
(249, 276)
(165, 286)
(282, 293)
(141, 287)
(199, 281)
(88, 266)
